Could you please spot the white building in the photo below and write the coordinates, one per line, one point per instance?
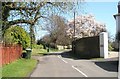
(117, 40)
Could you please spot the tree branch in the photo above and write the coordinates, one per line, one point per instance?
(20, 21)
(12, 7)
(40, 17)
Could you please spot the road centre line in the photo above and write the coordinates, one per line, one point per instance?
(74, 67)
(79, 71)
(62, 59)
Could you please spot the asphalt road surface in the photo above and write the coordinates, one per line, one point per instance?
(63, 65)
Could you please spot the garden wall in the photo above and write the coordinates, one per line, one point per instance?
(88, 47)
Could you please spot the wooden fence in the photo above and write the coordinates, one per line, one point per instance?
(10, 53)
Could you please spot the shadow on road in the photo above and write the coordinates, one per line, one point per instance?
(51, 54)
(67, 54)
(70, 54)
(108, 65)
(64, 54)
(111, 66)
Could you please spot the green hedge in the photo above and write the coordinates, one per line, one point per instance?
(16, 34)
(37, 46)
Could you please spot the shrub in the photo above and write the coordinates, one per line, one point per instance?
(110, 48)
(37, 46)
(16, 34)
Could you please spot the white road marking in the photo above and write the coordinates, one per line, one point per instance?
(59, 57)
(74, 67)
(79, 71)
(62, 59)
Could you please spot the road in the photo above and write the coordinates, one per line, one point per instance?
(63, 65)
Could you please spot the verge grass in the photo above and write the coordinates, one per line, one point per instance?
(19, 68)
(39, 51)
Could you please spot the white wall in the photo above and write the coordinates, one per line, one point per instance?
(118, 30)
(104, 44)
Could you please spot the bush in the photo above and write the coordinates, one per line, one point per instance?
(110, 48)
(52, 45)
(37, 46)
(17, 35)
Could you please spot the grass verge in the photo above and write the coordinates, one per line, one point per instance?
(96, 59)
(44, 51)
(39, 51)
(19, 68)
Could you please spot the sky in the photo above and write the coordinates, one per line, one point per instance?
(102, 11)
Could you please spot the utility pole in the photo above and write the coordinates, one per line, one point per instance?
(74, 34)
(74, 26)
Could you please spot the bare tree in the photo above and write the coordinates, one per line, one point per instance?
(56, 26)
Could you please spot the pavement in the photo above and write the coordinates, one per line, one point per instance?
(113, 54)
(61, 64)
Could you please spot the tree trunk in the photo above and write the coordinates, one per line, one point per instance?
(32, 35)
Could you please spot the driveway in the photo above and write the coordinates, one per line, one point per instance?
(62, 64)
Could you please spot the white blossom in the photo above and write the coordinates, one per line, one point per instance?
(85, 26)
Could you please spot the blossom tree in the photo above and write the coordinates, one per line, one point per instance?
(85, 26)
